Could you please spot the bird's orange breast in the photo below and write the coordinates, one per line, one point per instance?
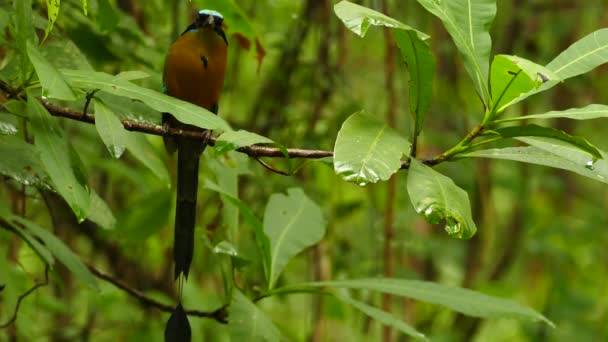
(195, 67)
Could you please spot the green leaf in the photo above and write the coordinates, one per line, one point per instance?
(368, 150)
(143, 151)
(258, 228)
(592, 111)
(358, 19)
(292, 224)
(248, 323)
(437, 198)
(24, 32)
(227, 180)
(52, 7)
(582, 56)
(563, 158)
(21, 162)
(421, 65)
(232, 140)
(183, 111)
(107, 18)
(512, 76)
(548, 132)
(60, 251)
(413, 46)
(383, 317)
(43, 253)
(58, 159)
(469, 22)
(53, 84)
(110, 129)
(466, 301)
(100, 212)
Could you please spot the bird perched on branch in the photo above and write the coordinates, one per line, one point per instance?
(194, 72)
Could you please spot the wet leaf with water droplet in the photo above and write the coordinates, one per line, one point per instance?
(552, 153)
(21, 162)
(367, 150)
(437, 199)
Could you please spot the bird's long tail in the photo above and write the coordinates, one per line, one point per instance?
(188, 155)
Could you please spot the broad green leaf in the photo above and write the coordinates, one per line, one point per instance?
(592, 111)
(52, 7)
(24, 32)
(258, 228)
(21, 162)
(512, 76)
(358, 19)
(248, 323)
(133, 75)
(106, 18)
(292, 224)
(53, 84)
(143, 151)
(413, 46)
(563, 159)
(58, 158)
(232, 140)
(466, 301)
(437, 198)
(100, 212)
(43, 253)
(469, 22)
(421, 65)
(183, 111)
(227, 180)
(582, 56)
(146, 216)
(62, 252)
(110, 129)
(368, 150)
(548, 132)
(383, 317)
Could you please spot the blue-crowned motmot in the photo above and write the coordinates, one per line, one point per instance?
(194, 72)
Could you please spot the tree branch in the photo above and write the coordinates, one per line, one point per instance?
(220, 315)
(136, 126)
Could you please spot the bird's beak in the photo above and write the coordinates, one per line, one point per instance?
(210, 21)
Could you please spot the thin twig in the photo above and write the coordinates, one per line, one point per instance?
(24, 295)
(88, 101)
(220, 315)
(270, 168)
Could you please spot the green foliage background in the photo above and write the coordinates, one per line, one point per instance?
(540, 231)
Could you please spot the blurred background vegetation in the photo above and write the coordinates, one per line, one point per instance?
(541, 238)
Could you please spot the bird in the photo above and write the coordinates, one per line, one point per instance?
(194, 71)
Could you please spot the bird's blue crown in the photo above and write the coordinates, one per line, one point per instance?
(210, 12)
